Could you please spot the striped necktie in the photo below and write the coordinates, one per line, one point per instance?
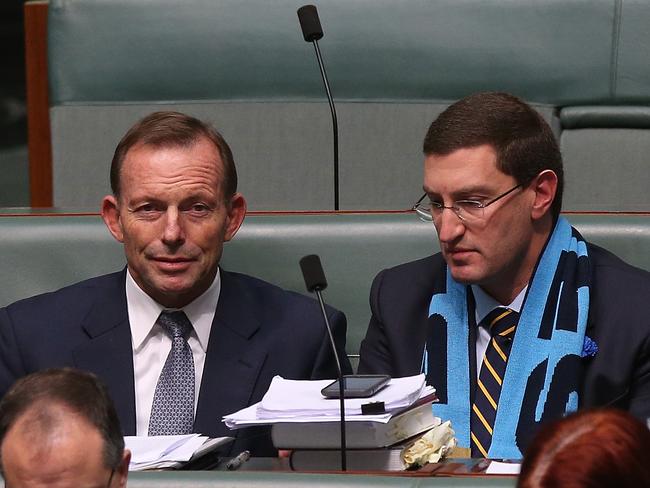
(172, 411)
(501, 322)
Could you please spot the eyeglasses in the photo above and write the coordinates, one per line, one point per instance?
(110, 479)
(467, 211)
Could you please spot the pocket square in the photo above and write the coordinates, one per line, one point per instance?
(589, 347)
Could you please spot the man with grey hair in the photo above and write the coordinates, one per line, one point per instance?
(178, 340)
(58, 427)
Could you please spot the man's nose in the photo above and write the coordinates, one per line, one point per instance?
(449, 226)
(173, 233)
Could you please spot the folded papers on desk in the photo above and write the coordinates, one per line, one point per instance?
(301, 401)
(307, 423)
(169, 451)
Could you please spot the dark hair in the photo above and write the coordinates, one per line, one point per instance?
(80, 391)
(523, 141)
(593, 448)
(169, 129)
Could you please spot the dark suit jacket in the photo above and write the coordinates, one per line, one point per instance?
(619, 322)
(259, 330)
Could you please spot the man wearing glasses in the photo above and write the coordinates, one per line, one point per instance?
(518, 320)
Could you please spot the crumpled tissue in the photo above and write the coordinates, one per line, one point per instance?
(431, 447)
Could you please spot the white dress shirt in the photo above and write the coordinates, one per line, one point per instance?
(484, 305)
(151, 345)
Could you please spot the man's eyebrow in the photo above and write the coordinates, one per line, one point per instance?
(468, 190)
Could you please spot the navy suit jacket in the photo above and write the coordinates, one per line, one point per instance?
(259, 331)
(619, 322)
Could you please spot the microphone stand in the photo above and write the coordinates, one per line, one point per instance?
(315, 281)
(335, 124)
(341, 381)
(312, 31)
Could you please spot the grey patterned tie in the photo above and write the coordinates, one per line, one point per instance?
(172, 411)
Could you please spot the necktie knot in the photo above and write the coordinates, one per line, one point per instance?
(501, 321)
(175, 324)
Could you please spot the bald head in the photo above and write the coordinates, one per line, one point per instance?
(59, 428)
(51, 445)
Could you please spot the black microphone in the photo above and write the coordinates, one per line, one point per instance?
(312, 32)
(312, 272)
(310, 23)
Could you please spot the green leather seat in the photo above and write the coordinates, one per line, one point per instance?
(393, 67)
(45, 253)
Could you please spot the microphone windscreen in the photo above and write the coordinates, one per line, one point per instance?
(310, 23)
(313, 273)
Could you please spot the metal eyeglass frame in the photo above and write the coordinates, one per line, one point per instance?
(424, 210)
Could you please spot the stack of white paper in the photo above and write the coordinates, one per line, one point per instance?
(168, 451)
(302, 401)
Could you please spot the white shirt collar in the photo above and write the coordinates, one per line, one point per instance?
(144, 311)
(485, 303)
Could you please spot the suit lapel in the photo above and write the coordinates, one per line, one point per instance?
(233, 358)
(108, 353)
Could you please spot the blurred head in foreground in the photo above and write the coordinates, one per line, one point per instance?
(592, 448)
(58, 427)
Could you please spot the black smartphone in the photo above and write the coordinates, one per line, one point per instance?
(357, 386)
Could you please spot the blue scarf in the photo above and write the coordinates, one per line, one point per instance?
(544, 370)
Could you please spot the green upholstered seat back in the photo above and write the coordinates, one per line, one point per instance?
(45, 253)
(393, 67)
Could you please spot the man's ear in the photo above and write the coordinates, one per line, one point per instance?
(122, 472)
(545, 187)
(111, 216)
(236, 214)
